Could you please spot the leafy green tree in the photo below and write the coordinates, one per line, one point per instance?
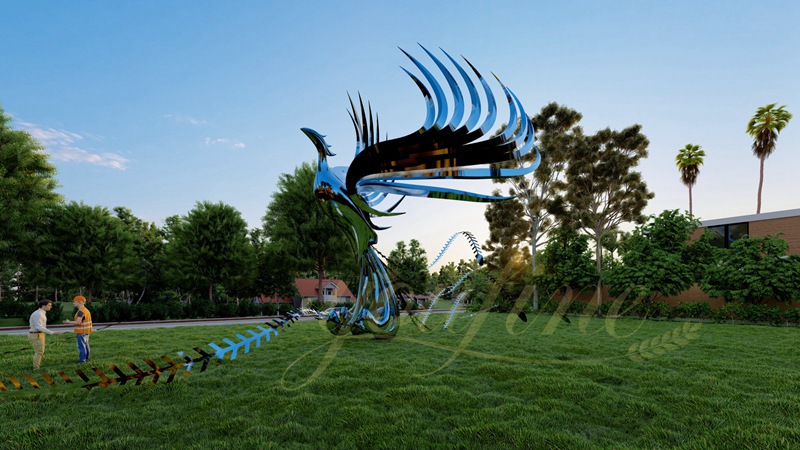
(274, 276)
(755, 270)
(566, 261)
(764, 127)
(148, 247)
(689, 160)
(602, 189)
(304, 229)
(89, 248)
(209, 247)
(508, 231)
(657, 259)
(27, 191)
(409, 267)
(527, 219)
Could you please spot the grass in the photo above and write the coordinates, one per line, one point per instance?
(12, 322)
(490, 380)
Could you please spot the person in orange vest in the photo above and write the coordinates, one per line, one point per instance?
(82, 327)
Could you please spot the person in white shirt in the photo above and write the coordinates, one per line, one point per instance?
(38, 328)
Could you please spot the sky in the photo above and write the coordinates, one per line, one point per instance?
(156, 106)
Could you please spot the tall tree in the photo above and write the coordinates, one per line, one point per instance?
(689, 160)
(210, 247)
(764, 127)
(527, 219)
(304, 228)
(148, 247)
(274, 276)
(90, 248)
(602, 189)
(27, 191)
(409, 265)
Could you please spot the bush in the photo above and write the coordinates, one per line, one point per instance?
(699, 310)
(13, 308)
(54, 315)
(792, 315)
(225, 310)
(284, 308)
(269, 309)
(247, 308)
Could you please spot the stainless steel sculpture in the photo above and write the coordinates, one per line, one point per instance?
(445, 147)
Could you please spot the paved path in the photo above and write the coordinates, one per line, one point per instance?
(168, 323)
(154, 324)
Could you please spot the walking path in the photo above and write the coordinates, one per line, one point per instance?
(155, 324)
(166, 323)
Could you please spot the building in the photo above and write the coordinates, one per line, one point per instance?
(727, 230)
(333, 292)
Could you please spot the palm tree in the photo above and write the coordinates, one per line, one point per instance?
(689, 160)
(765, 126)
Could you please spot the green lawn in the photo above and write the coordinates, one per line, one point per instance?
(490, 381)
(12, 322)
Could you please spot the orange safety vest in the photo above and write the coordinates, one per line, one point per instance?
(85, 318)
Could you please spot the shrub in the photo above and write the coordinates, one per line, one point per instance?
(700, 310)
(13, 308)
(269, 309)
(248, 308)
(225, 310)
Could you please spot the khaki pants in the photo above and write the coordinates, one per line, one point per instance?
(37, 341)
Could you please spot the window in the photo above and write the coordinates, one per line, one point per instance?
(724, 235)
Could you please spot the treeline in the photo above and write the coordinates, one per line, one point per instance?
(52, 248)
(661, 258)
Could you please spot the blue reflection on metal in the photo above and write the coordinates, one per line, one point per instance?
(441, 149)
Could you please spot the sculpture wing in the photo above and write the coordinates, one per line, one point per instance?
(443, 148)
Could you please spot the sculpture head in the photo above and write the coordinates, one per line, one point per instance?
(323, 149)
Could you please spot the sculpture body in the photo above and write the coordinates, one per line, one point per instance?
(447, 146)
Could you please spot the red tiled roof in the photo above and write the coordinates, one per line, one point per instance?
(307, 287)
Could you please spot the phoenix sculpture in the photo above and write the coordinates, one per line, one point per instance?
(453, 143)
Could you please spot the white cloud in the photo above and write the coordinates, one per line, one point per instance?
(99, 159)
(61, 145)
(230, 143)
(185, 119)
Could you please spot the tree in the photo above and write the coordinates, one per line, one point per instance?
(764, 127)
(566, 261)
(304, 229)
(210, 247)
(148, 246)
(88, 248)
(409, 267)
(689, 160)
(657, 259)
(274, 276)
(753, 270)
(527, 218)
(508, 232)
(27, 191)
(601, 188)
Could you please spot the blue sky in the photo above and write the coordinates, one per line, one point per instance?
(158, 105)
